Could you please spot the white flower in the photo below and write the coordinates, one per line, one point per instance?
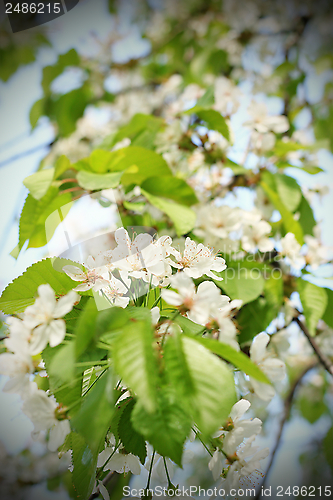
(116, 290)
(94, 277)
(242, 428)
(198, 260)
(227, 329)
(247, 462)
(119, 462)
(262, 142)
(218, 221)
(262, 122)
(291, 249)
(44, 316)
(215, 465)
(199, 305)
(316, 254)
(141, 257)
(17, 364)
(227, 96)
(272, 367)
(196, 160)
(42, 412)
(215, 139)
(263, 203)
(256, 237)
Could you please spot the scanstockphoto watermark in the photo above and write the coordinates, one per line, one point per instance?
(28, 14)
(183, 493)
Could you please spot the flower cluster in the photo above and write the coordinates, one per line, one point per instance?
(235, 460)
(39, 325)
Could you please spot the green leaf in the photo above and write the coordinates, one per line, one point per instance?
(328, 316)
(135, 361)
(144, 162)
(207, 99)
(328, 447)
(68, 108)
(62, 164)
(62, 364)
(237, 358)
(95, 415)
(188, 326)
(136, 163)
(314, 302)
(93, 182)
(214, 121)
(85, 327)
(183, 217)
(84, 467)
(139, 125)
(50, 73)
(133, 441)
(37, 110)
(306, 220)
(170, 187)
(39, 183)
(166, 428)
(289, 191)
(22, 292)
(255, 317)
(312, 169)
(68, 394)
(177, 368)
(34, 223)
(245, 284)
(201, 379)
(290, 224)
(311, 410)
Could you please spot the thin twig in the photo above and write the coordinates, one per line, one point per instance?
(288, 402)
(105, 482)
(25, 153)
(327, 364)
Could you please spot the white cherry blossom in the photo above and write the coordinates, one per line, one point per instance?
(119, 462)
(227, 96)
(316, 254)
(247, 462)
(241, 428)
(18, 363)
(199, 305)
(218, 222)
(227, 328)
(44, 317)
(198, 260)
(41, 410)
(291, 249)
(116, 290)
(262, 122)
(94, 277)
(256, 237)
(273, 367)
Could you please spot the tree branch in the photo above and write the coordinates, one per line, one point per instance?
(28, 152)
(324, 360)
(105, 481)
(288, 402)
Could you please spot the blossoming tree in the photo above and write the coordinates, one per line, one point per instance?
(183, 316)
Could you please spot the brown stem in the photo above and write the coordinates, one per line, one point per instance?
(288, 402)
(105, 482)
(69, 190)
(324, 360)
(64, 181)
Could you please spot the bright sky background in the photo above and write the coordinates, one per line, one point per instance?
(76, 29)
